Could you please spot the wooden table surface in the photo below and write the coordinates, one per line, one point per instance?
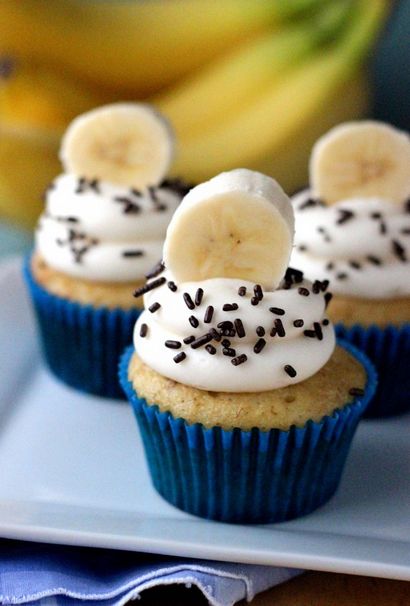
(310, 589)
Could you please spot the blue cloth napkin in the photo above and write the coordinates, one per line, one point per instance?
(46, 575)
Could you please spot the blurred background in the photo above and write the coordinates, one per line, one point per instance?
(246, 83)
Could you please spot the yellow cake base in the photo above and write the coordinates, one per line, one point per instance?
(352, 310)
(312, 399)
(98, 294)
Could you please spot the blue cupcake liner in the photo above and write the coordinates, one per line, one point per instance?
(242, 476)
(389, 350)
(81, 344)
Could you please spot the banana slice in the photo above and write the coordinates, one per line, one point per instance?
(125, 143)
(239, 224)
(357, 159)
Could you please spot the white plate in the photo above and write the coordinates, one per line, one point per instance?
(72, 471)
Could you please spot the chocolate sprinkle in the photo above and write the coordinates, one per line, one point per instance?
(328, 297)
(215, 334)
(290, 370)
(356, 391)
(255, 301)
(176, 185)
(203, 340)
(405, 231)
(345, 215)
(172, 344)
(240, 331)
(193, 321)
(355, 264)
(342, 275)
(318, 330)
(172, 286)
(242, 291)
(239, 360)
(280, 328)
(188, 301)
(198, 296)
(210, 349)
(133, 253)
(293, 275)
(298, 323)
(303, 291)
(179, 357)
(229, 351)
(399, 251)
(230, 307)
(129, 206)
(149, 286)
(375, 215)
(257, 289)
(374, 260)
(84, 184)
(143, 330)
(325, 322)
(154, 307)
(189, 339)
(330, 266)
(260, 331)
(310, 202)
(208, 314)
(273, 332)
(277, 310)
(259, 345)
(155, 271)
(225, 343)
(310, 333)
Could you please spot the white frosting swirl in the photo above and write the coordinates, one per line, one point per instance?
(362, 245)
(214, 371)
(100, 231)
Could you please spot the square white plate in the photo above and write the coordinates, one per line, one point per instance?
(72, 471)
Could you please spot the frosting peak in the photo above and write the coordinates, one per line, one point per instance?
(95, 230)
(226, 334)
(361, 245)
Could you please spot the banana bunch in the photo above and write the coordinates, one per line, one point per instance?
(244, 82)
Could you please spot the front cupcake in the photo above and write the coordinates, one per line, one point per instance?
(101, 232)
(353, 230)
(245, 405)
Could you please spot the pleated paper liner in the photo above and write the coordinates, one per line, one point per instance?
(389, 350)
(247, 476)
(81, 344)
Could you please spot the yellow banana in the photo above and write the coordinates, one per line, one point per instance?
(226, 85)
(289, 164)
(28, 162)
(262, 127)
(36, 105)
(38, 97)
(136, 46)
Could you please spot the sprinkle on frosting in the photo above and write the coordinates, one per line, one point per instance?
(154, 307)
(367, 255)
(228, 343)
(156, 270)
(109, 220)
(149, 286)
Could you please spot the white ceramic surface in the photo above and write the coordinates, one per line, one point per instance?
(72, 471)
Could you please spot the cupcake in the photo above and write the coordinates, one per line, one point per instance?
(353, 230)
(245, 405)
(102, 230)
